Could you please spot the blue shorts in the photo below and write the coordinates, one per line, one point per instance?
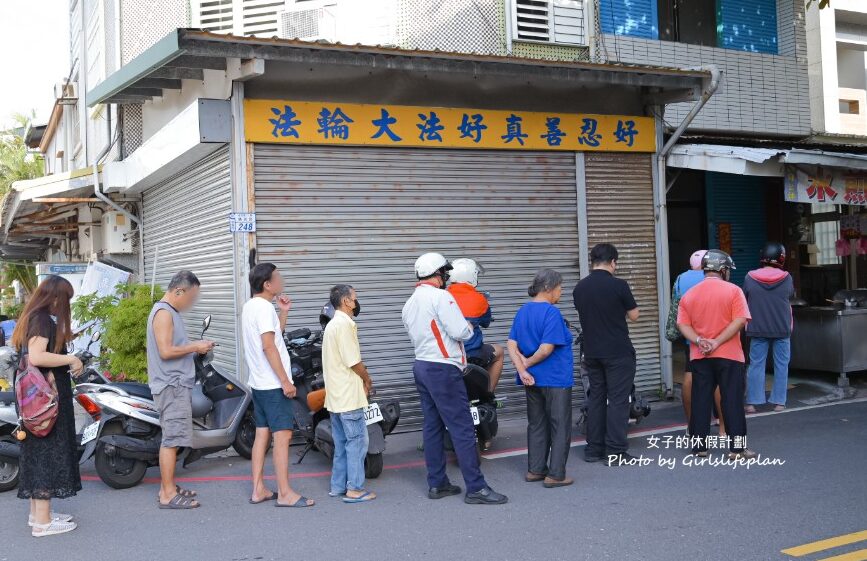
(272, 410)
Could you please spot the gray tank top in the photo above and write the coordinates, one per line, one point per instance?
(174, 372)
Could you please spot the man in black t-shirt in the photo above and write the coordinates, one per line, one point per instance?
(604, 303)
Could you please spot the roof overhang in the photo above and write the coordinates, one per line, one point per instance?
(771, 162)
(186, 53)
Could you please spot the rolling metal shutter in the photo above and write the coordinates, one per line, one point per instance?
(185, 227)
(363, 215)
(620, 211)
(739, 201)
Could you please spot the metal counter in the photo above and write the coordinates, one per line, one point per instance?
(830, 339)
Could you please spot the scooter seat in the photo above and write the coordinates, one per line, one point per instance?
(134, 389)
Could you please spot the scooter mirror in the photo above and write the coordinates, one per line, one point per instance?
(96, 337)
(206, 323)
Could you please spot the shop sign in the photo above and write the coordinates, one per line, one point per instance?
(350, 124)
(724, 236)
(839, 187)
(242, 222)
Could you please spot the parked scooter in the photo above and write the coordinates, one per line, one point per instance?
(639, 406)
(128, 436)
(10, 447)
(312, 420)
(483, 404)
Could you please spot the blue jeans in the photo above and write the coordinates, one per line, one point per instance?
(350, 448)
(756, 373)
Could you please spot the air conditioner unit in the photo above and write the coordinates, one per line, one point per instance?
(561, 22)
(89, 232)
(371, 22)
(66, 93)
(116, 233)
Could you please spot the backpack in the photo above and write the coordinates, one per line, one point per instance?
(672, 333)
(36, 397)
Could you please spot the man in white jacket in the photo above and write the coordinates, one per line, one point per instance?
(438, 330)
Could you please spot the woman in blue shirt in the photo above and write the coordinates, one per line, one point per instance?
(540, 346)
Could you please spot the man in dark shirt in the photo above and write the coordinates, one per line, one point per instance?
(604, 303)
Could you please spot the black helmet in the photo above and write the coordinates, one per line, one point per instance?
(326, 314)
(774, 255)
(717, 260)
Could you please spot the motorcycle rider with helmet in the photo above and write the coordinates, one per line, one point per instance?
(438, 330)
(711, 316)
(768, 291)
(464, 278)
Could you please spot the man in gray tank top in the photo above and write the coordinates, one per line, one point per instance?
(171, 376)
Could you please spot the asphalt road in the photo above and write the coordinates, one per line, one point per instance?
(650, 512)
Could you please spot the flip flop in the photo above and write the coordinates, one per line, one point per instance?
(332, 494)
(300, 503)
(180, 502)
(271, 497)
(366, 497)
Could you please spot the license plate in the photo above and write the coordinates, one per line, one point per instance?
(90, 432)
(372, 414)
(474, 411)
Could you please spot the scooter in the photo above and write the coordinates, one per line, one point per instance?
(312, 420)
(639, 407)
(10, 447)
(483, 404)
(128, 435)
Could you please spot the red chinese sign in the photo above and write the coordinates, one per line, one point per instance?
(724, 236)
(825, 186)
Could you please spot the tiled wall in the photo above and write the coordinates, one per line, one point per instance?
(761, 93)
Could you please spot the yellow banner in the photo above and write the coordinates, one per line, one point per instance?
(351, 124)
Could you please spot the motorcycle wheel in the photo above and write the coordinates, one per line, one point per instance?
(373, 466)
(245, 436)
(9, 473)
(117, 472)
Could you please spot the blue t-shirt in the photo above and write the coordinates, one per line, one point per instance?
(537, 323)
(687, 280)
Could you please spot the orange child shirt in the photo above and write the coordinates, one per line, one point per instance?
(709, 307)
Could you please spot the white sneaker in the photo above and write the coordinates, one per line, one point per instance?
(60, 517)
(52, 528)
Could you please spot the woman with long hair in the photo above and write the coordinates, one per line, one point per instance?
(49, 467)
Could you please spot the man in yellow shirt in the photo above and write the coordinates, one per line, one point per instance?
(347, 385)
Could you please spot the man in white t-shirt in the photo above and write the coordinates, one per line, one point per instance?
(271, 383)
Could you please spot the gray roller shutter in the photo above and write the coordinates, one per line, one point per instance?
(186, 227)
(620, 211)
(362, 216)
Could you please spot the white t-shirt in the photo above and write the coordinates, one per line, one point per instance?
(258, 317)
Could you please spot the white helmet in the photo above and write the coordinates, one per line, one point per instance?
(466, 270)
(430, 263)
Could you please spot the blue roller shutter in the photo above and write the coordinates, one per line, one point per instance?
(747, 25)
(738, 200)
(636, 18)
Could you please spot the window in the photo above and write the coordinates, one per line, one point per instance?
(826, 231)
(688, 21)
(549, 21)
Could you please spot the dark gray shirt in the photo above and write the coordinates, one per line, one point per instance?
(173, 372)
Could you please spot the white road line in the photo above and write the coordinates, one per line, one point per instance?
(675, 428)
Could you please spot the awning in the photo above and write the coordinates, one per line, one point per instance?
(28, 223)
(742, 160)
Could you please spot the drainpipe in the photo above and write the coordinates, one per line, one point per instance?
(102, 197)
(661, 189)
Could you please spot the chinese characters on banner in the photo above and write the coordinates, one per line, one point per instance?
(724, 236)
(349, 124)
(826, 186)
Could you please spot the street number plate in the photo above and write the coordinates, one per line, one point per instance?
(474, 411)
(372, 414)
(90, 432)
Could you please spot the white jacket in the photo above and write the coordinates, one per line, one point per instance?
(436, 326)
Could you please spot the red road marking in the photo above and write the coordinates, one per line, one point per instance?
(313, 474)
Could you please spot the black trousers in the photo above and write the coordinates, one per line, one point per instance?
(549, 430)
(730, 376)
(607, 399)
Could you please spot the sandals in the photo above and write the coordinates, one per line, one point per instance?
(271, 497)
(189, 493)
(365, 497)
(302, 502)
(180, 502)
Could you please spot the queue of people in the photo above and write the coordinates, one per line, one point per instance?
(444, 323)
